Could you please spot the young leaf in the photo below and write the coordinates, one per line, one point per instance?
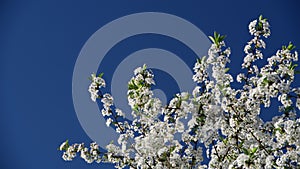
(212, 39)
(291, 46)
(100, 75)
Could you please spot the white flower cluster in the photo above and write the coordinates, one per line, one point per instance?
(97, 83)
(260, 27)
(89, 155)
(222, 122)
(257, 28)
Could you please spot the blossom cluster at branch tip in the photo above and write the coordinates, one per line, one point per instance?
(97, 83)
(216, 119)
(88, 154)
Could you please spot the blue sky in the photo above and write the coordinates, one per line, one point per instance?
(40, 41)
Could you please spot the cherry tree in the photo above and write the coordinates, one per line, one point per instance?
(223, 122)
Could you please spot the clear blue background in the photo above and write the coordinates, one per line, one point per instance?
(39, 44)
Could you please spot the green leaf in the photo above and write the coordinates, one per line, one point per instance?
(132, 85)
(294, 66)
(172, 148)
(171, 120)
(260, 26)
(227, 69)
(254, 150)
(203, 59)
(217, 38)
(65, 147)
(216, 35)
(297, 71)
(135, 108)
(144, 67)
(246, 151)
(138, 125)
(279, 130)
(198, 60)
(291, 46)
(288, 109)
(212, 39)
(130, 94)
(101, 75)
(225, 141)
(265, 81)
(222, 38)
(186, 97)
(163, 157)
(105, 156)
(200, 119)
